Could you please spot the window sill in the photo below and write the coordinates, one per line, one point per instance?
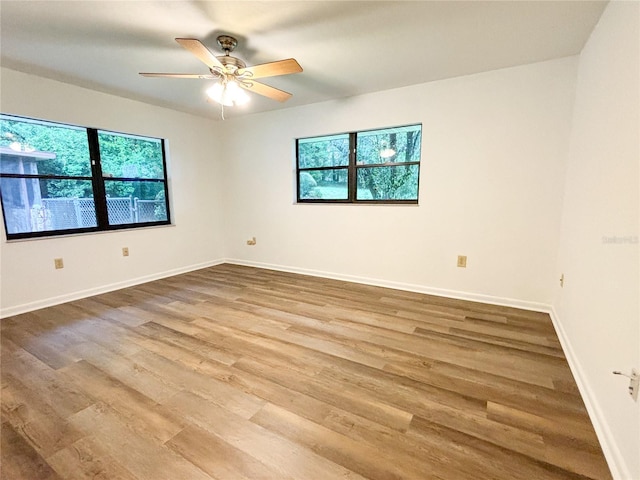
(84, 234)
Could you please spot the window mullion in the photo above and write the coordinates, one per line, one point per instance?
(352, 177)
(165, 181)
(99, 197)
(298, 196)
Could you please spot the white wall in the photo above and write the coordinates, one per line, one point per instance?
(598, 309)
(491, 181)
(94, 262)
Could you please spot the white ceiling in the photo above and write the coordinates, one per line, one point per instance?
(345, 48)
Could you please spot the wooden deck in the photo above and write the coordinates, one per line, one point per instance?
(239, 373)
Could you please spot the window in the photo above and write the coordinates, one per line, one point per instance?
(375, 166)
(57, 179)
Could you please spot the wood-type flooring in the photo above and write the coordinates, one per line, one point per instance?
(236, 373)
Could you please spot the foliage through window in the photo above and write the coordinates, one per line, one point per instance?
(58, 179)
(374, 166)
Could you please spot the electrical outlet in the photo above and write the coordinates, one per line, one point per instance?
(125, 251)
(58, 263)
(462, 261)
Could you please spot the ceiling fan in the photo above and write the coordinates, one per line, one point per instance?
(232, 74)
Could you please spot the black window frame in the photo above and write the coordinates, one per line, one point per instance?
(98, 185)
(352, 171)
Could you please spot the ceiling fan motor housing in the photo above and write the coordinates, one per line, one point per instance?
(231, 64)
(228, 44)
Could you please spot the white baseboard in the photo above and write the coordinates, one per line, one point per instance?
(614, 458)
(48, 302)
(439, 292)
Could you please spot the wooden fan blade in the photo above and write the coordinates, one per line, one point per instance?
(267, 91)
(177, 75)
(281, 67)
(196, 47)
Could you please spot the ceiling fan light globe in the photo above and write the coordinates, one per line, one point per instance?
(237, 95)
(218, 93)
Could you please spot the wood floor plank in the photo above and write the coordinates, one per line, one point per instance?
(195, 341)
(217, 392)
(490, 387)
(493, 461)
(43, 381)
(396, 390)
(237, 373)
(127, 371)
(220, 459)
(140, 412)
(143, 456)
(49, 349)
(569, 427)
(281, 454)
(19, 460)
(31, 416)
(574, 455)
(370, 462)
(87, 459)
(346, 396)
